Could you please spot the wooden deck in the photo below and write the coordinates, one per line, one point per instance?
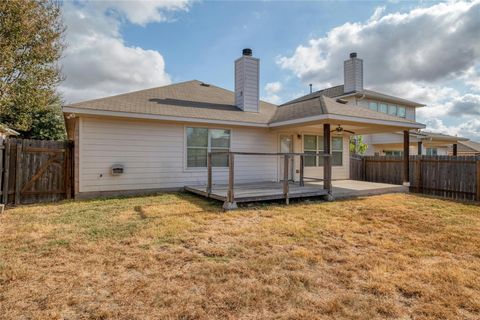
(262, 191)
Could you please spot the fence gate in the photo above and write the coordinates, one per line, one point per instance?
(36, 171)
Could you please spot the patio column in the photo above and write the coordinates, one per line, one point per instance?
(327, 162)
(419, 152)
(455, 151)
(406, 157)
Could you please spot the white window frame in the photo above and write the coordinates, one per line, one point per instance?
(432, 151)
(185, 148)
(320, 150)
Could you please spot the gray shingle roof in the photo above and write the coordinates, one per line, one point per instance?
(337, 91)
(194, 99)
(191, 99)
(323, 105)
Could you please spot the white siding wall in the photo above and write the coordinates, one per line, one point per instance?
(153, 155)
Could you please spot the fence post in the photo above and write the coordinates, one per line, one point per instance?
(6, 172)
(419, 174)
(364, 168)
(18, 172)
(478, 178)
(68, 170)
(209, 173)
(302, 169)
(285, 178)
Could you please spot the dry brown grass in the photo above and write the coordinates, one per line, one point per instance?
(176, 256)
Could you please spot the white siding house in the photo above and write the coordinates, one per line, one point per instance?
(158, 139)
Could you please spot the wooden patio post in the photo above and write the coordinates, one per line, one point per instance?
(209, 173)
(285, 178)
(419, 151)
(406, 157)
(230, 203)
(302, 170)
(327, 163)
(455, 150)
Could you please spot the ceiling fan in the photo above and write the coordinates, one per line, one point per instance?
(339, 129)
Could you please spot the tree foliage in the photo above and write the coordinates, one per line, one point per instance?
(357, 146)
(31, 42)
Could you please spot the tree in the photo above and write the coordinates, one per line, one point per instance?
(357, 146)
(31, 42)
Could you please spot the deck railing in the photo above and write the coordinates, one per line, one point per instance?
(327, 170)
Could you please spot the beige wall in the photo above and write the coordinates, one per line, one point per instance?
(153, 155)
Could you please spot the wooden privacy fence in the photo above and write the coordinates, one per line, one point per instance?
(456, 177)
(35, 170)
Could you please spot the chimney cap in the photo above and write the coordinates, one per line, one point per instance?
(353, 55)
(247, 52)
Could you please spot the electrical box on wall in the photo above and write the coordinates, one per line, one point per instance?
(117, 169)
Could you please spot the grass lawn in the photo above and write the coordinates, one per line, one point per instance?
(176, 256)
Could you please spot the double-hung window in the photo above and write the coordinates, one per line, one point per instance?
(337, 151)
(432, 151)
(392, 109)
(314, 144)
(200, 141)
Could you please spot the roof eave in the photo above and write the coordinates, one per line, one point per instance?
(148, 116)
(330, 116)
(370, 94)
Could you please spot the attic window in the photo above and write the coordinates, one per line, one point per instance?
(342, 101)
(204, 84)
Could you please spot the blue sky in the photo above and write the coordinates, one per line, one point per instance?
(425, 51)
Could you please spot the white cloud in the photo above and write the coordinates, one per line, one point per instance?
(470, 128)
(97, 62)
(272, 89)
(425, 44)
(428, 54)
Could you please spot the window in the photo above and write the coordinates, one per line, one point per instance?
(337, 151)
(373, 106)
(382, 107)
(392, 110)
(200, 141)
(432, 151)
(314, 144)
(401, 112)
(393, 153)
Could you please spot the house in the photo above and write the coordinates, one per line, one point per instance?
(353, 93)
(160, 138)
(421, 143)
(466, 148)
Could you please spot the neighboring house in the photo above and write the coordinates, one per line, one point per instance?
(6, 132)
(467, 148)
(158, 139)
(421, 142)
(353, 93)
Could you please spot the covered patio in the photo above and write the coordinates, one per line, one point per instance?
(307, 172)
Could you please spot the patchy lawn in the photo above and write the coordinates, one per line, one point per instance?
(176, 256)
